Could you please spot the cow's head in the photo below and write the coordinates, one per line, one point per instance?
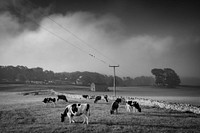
(63, 115)
(118, 100)
(97, 99)
(45, 100)
(106, 98)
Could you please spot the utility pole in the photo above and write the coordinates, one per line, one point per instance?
(114, 80)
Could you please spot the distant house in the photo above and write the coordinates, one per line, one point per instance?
(99, 87)
(79, 82)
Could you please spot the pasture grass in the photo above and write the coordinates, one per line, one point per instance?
(188, 95)
(29, 114)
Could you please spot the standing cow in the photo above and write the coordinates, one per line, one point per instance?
(132, 104)
(49, 100)
(63, 97)
(97, 98)
(76, 109)
(115, 105)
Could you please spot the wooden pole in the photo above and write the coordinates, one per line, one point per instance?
(114, 80)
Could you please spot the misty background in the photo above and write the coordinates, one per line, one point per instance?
(68, 36)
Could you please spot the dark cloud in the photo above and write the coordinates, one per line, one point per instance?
(158, 17)
(25, 13)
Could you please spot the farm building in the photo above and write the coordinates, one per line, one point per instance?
(99, 87)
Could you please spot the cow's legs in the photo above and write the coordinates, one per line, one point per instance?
(84, 118)
(73, 120)
(70, 118)
(131, 108)
(54, 104)
(128, 108)
(134, 109)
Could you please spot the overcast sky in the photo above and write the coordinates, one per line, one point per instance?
(90, 35)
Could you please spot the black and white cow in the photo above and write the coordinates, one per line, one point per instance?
(97, 98)
(85, 96)
(115, 105)
(49, 100)
(63, 97)
(76, 109)
(132, 104)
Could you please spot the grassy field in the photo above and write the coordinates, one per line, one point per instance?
(181, 94)
(19, 113)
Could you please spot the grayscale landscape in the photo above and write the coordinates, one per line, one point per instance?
(144, 53)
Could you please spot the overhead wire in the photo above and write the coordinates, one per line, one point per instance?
(78, 38)
(54, 34)
(75, 36)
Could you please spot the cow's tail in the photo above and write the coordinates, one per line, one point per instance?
(88, 109)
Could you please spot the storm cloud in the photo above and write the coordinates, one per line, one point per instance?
(103, 39)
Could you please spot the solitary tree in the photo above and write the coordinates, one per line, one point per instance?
(166, 77)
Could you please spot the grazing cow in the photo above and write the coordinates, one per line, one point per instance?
(115, 105)
(130, 104)
(49, 100)
(63, 97)
(97, 98)
(85, 96)
(106, 98)
(76, 109)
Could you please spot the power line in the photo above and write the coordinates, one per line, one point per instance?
(75, 36)
(79, 38)
(54, 34)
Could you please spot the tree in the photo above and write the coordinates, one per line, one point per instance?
(128, 81)
(166, 77)
(21, 78)
(159, 76)
(171, 78)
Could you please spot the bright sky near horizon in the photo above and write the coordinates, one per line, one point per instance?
(90, 35)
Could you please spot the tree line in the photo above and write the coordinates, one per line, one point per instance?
(23, 74)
